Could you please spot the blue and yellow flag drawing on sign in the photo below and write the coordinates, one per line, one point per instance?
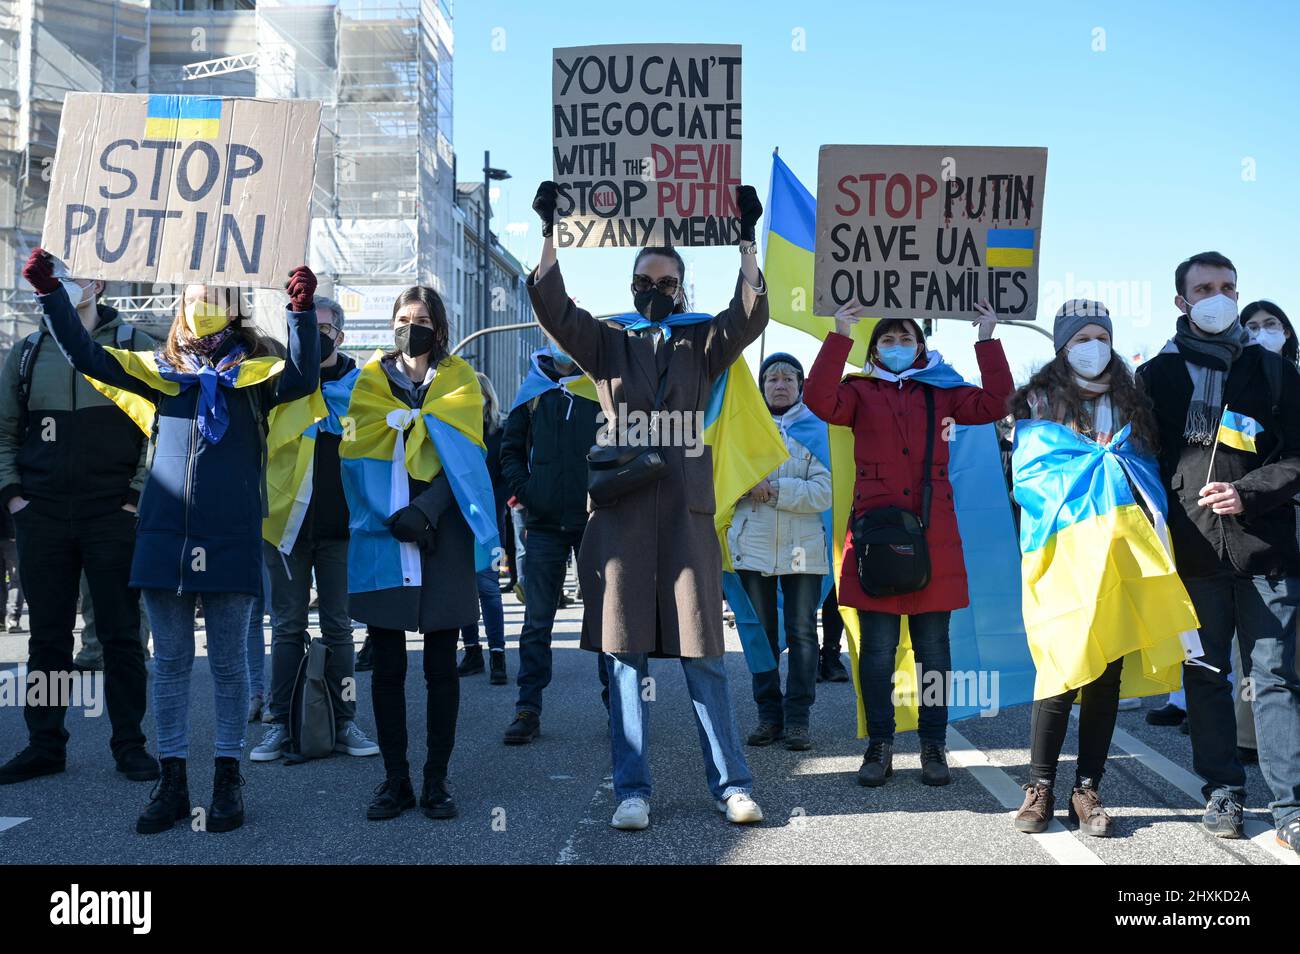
(1098, 572)
(1009, 248)
(1239, 431)
(183, 117)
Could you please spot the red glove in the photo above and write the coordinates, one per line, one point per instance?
(39, 272)
(301, 287)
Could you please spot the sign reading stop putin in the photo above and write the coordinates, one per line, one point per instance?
(178, 189)
(646, 144)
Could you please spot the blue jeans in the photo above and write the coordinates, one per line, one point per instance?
(800, 596)
(494, 619)
(1263, 615)
(629, 725)
(548, 559)
(256, 651)
(876, 659)
(225, 617)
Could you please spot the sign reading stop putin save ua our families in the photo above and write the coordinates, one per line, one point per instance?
(182, 188)
(908, 231)
(646, 144)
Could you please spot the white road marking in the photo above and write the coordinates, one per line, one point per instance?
(6, 823)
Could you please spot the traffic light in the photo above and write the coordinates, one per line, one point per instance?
(927, 326)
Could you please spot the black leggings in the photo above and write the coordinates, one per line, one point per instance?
(1051, 717)
(388, 693)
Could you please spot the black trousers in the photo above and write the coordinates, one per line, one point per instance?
(1098, 707)
(832, 624)
(388, 694)
(53, 552)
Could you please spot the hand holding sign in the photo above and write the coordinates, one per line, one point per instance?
(39, 272)
(751, 210)
(848, 316)
(544, 205)
(987, 320)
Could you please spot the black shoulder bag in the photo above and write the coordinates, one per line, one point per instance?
(889, 542)
(615, 471)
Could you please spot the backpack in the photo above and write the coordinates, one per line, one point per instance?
(124, 338)
(311, 708)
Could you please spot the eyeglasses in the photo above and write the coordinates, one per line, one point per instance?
(643, 283)
(329, 330)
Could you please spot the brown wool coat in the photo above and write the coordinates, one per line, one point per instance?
(650, 565)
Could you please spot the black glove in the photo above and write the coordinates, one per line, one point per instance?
(408, 525)
(548, 193)
(751, 210)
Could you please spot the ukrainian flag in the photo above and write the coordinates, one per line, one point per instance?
(1009, 248)
(183, 117)
(788, 261)
(1239, 431)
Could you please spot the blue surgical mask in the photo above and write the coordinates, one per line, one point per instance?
(897, 358)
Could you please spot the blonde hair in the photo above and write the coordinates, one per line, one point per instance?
(491, 403)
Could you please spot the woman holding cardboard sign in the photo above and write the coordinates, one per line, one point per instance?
(902, 553)
(650, 565)
(204, 398)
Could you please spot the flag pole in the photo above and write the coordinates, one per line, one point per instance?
(767, 213)
(1210, 473)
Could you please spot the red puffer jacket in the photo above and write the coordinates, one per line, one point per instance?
(888, 423)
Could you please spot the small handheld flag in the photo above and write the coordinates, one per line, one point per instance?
(1237, 431)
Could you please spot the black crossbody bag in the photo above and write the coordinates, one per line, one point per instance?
(615, 471)
(889, 542)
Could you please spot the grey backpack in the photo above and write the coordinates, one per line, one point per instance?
(311, 708)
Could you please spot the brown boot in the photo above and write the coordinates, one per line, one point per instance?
(1086, 810)
(1036, 813)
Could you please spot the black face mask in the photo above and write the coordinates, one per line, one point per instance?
(653, 305)
(326, 346)
(413, 340)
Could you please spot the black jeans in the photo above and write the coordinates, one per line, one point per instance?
(546, 561)
(832, 625)
(388, 693)
(1098, 706)
(877, 656)
(53, 552)
(799, 614)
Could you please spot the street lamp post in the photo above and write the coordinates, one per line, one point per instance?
(489, 176)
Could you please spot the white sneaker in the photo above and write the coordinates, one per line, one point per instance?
(633, 814)
(354, 742)
(272, 745)
(740, 809)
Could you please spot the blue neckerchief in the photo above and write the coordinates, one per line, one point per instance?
(635, 322)
(213, 415)
(937, 373)
(538, 381)
(337, 394)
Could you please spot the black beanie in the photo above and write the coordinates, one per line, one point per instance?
(780, 357)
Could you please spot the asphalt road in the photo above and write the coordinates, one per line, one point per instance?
(550, 802)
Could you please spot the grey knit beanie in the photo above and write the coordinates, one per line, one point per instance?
(1073, 315)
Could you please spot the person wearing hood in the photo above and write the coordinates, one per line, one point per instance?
(1228, 416)
(777, 542)
(907, 393)
(544, 462)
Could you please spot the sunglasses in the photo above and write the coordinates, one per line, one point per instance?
(643, 283)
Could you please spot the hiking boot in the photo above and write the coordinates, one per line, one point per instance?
(138, 765)
(274, 742)
(934, 764)
(832, 668)
(765, 734)
(632, 814)
(1223, 817)
(1036, 812)
(435, 801)
(169, 802)
(1087, 811)
(797, 738)
(472, 663)
(351, 740)
(497, 660)
(1167, 714)
(364, 663)
(226, 813)
(526, 727)
(1288, 836)
(392, 797)
(740, 809)
(29, 764)
(877, 764)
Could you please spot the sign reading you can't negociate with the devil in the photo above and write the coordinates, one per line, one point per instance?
(909, 231)
(646, 144)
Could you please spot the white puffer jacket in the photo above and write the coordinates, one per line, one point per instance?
(785, 535)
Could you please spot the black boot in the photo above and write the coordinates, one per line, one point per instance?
(169, 801)
(472, 663)
(363, 663)
(29, 764)
(226, 813)
(877, 764)
(498, 661)
(832, 668)
(934, 764)
(392, 797)
(436, 800)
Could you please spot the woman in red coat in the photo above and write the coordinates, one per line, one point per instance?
(887, 413)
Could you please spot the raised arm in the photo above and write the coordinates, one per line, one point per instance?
(85, 354)
(739, 326)
(833, 400)
(581, 336)
(301, 373)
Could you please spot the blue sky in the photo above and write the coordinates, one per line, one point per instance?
(1181, 135)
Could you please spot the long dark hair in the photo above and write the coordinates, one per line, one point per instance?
(432, 303)
(240, 318)
(1291, 348)
(667, 251)
(1058, 382)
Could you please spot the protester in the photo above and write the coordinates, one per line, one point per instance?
(489, 586)
(9, 578)
(305, 534)
(650, 565)
(200, 510)
(544, 464)
(90, 657)
(1086, 478)
(1234, 534)
(831, 667)
(420, 499)
(72, 519)
(778, 544)
(1269, 327)
(910, 392)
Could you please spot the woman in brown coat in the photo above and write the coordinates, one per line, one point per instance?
(650, 566)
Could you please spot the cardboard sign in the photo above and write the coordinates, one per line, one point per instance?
(177, 189)
(646, 144)
(912, 231)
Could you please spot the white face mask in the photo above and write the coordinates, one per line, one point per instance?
(74, 291)
(1089, 358)
(1215, 314)
(1271, 338)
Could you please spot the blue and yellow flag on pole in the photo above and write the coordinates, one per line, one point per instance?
(1239, 431)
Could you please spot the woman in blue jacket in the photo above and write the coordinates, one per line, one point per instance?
(204, 397)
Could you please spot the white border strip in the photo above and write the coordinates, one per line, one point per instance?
(7, 823)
